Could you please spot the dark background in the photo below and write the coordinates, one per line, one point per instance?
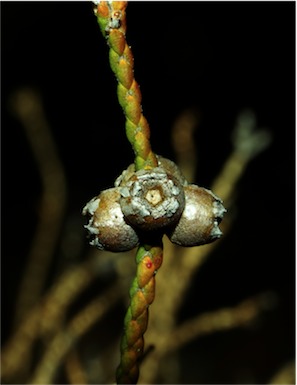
(218, 57)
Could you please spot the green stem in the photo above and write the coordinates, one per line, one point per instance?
(112, 21)
(142, 293)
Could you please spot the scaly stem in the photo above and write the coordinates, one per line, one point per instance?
(142, 293)
(111, 17)
(112, 21)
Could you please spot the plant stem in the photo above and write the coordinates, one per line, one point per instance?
(112, 21)
(142, 293)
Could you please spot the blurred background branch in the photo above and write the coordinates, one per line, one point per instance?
(28, 108)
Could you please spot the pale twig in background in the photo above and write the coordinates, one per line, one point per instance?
(207, 323)
(183, 142)
(220, 320)
(285, 375)
(45, 319)
(74, 369)
(27, 107)
(66, 339)
(248, 142)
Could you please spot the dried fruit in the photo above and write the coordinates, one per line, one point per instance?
(151, 199)
(199, 223)
(107, 227)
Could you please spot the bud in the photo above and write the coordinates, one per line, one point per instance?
(199, 223)
(107, 227)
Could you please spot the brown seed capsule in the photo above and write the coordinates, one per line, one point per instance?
(152, 199)
(107, 227)
(172, 169)
(199, 223)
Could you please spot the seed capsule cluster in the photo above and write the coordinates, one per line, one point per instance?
(157, 199)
